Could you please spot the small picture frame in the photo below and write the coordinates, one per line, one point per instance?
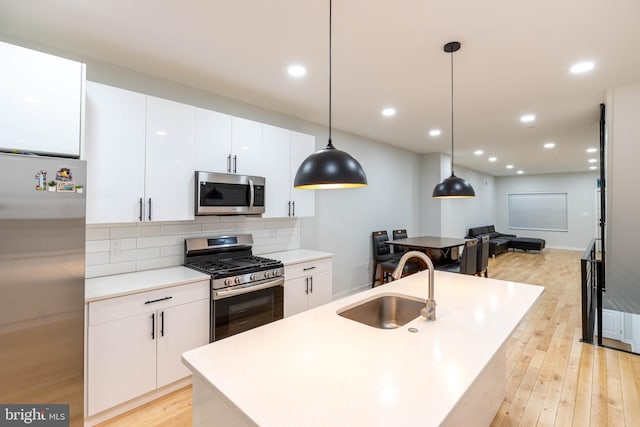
(66, 187)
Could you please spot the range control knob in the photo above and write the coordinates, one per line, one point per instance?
(267, 274)
(237, 280)
(275, 273)
(252, 277)
(227, 282)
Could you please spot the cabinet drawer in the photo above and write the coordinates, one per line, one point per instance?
(307, 268)
(146, 302)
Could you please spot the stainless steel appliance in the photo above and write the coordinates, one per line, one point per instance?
(247, 291)
(229, 194)
(42, 250)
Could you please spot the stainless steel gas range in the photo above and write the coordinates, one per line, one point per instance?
(247, 291)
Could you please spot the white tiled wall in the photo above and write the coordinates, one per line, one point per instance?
(124, 248)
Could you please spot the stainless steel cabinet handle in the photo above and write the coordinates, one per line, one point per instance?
(294, 208)
(153, 326)
(235, 164)
(308, 268)
(149, 208)
(306, 291)
(229, 163)
(289, 214)
(140, 209)
(157, 300)
(162, 323)
(311, 280)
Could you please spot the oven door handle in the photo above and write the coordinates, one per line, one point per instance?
(224, 293)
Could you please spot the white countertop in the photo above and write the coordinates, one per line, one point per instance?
(297, 256)
(116, 285)
(318, 368)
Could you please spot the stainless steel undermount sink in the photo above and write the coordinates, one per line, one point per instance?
(385, 311)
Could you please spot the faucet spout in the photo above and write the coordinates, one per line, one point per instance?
(429, 311)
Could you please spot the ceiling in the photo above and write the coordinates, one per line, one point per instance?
(515, 59)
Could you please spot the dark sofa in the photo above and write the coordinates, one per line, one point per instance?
(500, 242)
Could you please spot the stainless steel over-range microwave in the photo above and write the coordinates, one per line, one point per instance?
(229, 194)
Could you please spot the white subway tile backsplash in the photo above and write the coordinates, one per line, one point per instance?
(96, 258)
(96, 233)
(108, 269)
(122, 248)
(93, 246)
(159, 262)
(181, 229)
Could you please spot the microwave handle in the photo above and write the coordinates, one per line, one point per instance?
(251, 194)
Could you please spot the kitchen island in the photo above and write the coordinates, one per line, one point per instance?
(320, 369)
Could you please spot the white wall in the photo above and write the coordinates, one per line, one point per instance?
(581, 199)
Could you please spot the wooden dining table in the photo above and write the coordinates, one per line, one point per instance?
(439, 249)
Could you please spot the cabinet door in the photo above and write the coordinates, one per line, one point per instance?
(115, 153)
(276, 154)
(302, 145)
(246, 143)
(213, 141)
(180, 328)
(320, 289)
(121, 361)
(170, 161)
(40, 105)
(295, 295)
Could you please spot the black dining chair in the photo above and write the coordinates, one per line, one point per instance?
(381, 253)
(467, 262)
(399, 234)
(483, 257)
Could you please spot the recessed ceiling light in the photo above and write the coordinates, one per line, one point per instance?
(592, 150)
(593, 160)
(388, 112)
(161, 133)
(478, 152)
(296, 70)
(435, 132)
(549, 145)
(509, 166)
(492, 159)
(593, 168)
(582, 67)
(520, 172)
(527, 118)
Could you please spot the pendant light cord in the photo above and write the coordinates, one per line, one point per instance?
(452, 114)
(330, 16)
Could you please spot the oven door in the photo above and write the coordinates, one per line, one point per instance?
(238, 310)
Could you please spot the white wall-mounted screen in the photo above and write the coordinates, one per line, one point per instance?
(538, 211)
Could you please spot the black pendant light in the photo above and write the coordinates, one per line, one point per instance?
(329, 168)
(453, 187)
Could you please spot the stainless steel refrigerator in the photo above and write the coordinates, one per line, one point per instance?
(42, 252)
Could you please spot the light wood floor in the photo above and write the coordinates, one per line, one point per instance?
(552, 378)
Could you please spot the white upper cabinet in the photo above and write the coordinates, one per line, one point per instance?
(227, 144)
(302, 145)
(170, 161)
(213, 141)
(40, 102)
(115, 152)
(283, 152)
(140, 152)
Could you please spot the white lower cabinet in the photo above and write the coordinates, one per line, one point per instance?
(307, 285)
(135, 342)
